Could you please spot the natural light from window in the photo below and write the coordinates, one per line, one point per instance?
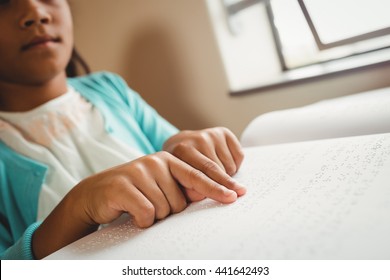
(334, 20)
(337, 20)
(267, 43)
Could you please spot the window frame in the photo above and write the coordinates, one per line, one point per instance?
(227, 21)
(354, 39)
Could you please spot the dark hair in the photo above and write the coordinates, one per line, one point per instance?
(76, 63)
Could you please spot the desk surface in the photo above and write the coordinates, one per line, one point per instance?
(326, 199)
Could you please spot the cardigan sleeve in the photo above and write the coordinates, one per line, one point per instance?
(156, 128)
(22, 249)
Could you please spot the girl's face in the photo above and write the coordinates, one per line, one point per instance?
(36, 40)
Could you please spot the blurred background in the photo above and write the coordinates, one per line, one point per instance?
(167, 51)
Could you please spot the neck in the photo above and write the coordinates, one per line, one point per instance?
(21, 98)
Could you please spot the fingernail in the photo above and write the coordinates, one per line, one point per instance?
(240, 189)
(238, 184)
(228, 192)
(241, 192)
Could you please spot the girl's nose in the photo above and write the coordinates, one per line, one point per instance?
(35, 14)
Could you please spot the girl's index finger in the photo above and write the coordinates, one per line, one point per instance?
(194, 179)
(212, 170)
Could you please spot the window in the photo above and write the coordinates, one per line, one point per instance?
(313, 31)
(272, 42)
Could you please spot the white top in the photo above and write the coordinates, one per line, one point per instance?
(67, 134)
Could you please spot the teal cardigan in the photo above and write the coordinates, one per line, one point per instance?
(127, 117)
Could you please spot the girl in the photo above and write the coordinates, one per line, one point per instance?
(78, 152)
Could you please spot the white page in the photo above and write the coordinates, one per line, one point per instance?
(358, 114)
(326, 199)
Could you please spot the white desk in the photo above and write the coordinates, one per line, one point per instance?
(325, 199)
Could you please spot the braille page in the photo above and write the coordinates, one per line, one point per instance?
(327, 199)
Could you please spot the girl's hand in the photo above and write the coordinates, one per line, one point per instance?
(215, 151)
(149, 189)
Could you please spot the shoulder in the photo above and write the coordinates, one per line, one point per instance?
(100, 79)
(102, 85)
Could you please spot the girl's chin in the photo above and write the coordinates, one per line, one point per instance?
(42, 76)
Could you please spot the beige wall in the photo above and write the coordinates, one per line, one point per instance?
(166, 51)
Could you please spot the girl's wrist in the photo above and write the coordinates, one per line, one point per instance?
(66, 224)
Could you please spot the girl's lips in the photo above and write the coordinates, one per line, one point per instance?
(40, 41)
